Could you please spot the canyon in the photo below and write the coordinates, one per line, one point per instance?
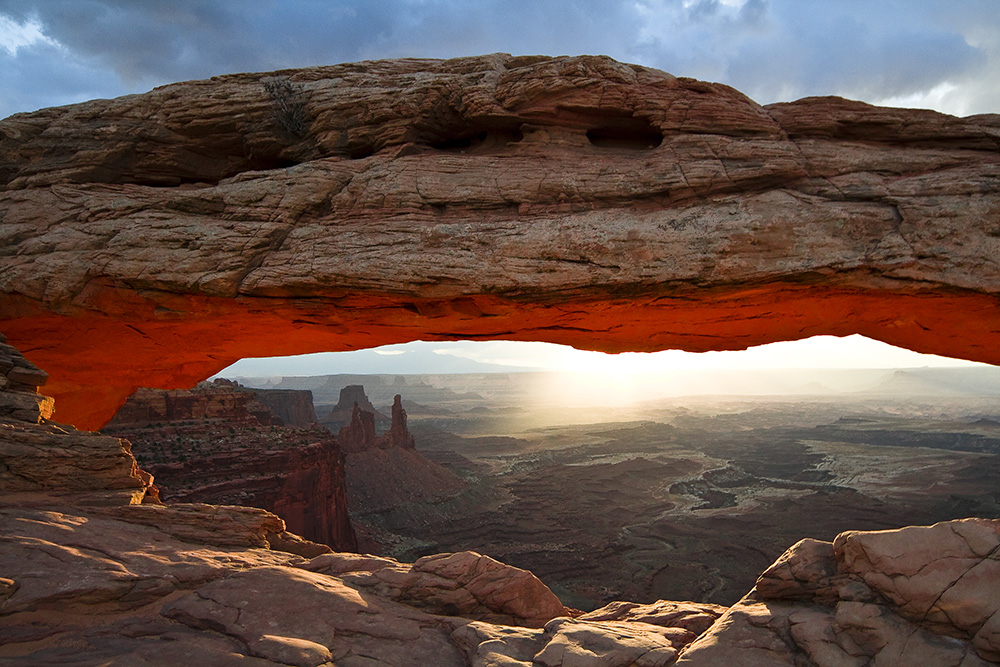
(225, 444)
(685, 497)
(154, 239)
(96, 570)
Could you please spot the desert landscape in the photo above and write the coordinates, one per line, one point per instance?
(152, 240)
(685, 498)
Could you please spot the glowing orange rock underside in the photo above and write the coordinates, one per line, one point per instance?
(173, 341)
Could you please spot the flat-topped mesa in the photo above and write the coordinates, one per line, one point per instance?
(154, 239)
(351, 397)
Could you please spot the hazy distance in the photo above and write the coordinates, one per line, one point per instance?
(817, 365)
(420, 357)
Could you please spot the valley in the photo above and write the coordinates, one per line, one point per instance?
(682, 498)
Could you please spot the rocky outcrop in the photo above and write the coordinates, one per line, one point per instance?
(398, 435)
(220, 399)
(352, 396)
(39, 458)
(694, 617)
(303, 484)
(118, 582)
(205, 402)
(572, 200)
(461, 584)
(386, 476)
(19, 383)
(925, 595)
(359, 434)
(292, 407)
(218, 444)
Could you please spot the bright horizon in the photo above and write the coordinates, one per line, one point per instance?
(426, 358)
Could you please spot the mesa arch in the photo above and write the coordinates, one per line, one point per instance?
(154, 239)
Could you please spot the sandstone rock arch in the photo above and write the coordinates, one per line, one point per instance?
(155, 239)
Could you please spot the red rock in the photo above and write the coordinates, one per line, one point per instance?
(208, 402)
(464, 584)
(217, 443)
(696, 617)
(292, 407)
(398, 435)
(573, 200)
(343, 412)
(921, 595)
(359, 434)
(88, 572)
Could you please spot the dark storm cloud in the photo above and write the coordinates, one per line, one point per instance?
(165, 41)
(770, 49)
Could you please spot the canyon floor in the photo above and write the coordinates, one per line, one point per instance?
(681, 498)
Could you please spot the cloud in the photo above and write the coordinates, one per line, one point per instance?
(781, 50)
(770, 49)
(42, 74)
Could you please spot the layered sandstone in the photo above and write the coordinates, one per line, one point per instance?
(41, 459)
(923, 595)
(294, 407)
(573, 200)
(219, 400)
(219, 443)
(92, 576)
(351, 397)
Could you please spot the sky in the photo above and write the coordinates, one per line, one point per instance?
(937, 54)
(419, 357)
(942, 54)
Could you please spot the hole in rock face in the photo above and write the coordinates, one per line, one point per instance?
(460, 143)
(636, 476)
(361, 152)
(481, 139)
(629, 134)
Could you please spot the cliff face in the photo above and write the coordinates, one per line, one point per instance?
(304, 485)
(571, 200)
(292, 406)
(40, 459)
(219, 443)
(221, 399)
(385, 474)
(342, 414)
(148, 406)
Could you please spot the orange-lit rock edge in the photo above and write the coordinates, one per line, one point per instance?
(173, 341)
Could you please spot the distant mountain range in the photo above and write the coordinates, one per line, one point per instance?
(976, 381)
(463, 391)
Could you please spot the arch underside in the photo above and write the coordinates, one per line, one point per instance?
(155, 239)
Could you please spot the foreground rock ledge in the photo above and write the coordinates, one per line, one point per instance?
(154, 239)
(95, 571)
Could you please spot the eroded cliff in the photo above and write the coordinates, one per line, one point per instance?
(219, 443)
(572, 200)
